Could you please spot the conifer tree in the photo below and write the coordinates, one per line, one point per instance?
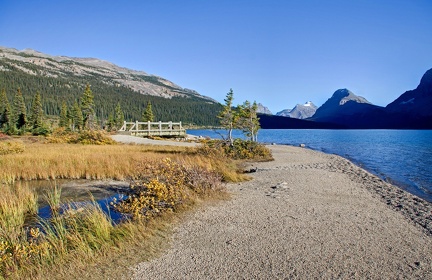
(64, 119)
(36, 112)
(248, 120)
(148, 113)
(111, 122)
(76, 117)
(119, 117)
(88, 109)
(5, 111)
(19, 117)
(228, 117)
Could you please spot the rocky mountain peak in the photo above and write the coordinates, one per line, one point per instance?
(300, 111)
(263, 109)
(342, 96)
(417, 101)
(39, 64)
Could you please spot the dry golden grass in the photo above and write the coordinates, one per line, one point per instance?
(51, 161)
(93, 239)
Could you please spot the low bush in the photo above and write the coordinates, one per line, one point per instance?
(240, 149)
(86, 137)
(11, 147)
(164, 185)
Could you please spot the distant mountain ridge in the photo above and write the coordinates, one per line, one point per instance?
(344, 108)
(411, 110)
(36, 63)
(62, 79)
(300, 111)
(263, 109)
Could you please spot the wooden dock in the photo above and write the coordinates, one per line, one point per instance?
(163, 129)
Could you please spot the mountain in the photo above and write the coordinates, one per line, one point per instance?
(279, 122)
(347, 109)
(300, 111)
(417, 101)
(411, 110)
(263, 109)
(62, 79)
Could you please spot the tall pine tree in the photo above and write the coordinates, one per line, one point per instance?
(64, 120)
(88, 109)
(36, 112)
(19, 117)
(76, 117)
(119, 116)
(148, 113)
(5, 111)
(248, 120)
(228, 117)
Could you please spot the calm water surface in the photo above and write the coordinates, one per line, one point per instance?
(402, 157)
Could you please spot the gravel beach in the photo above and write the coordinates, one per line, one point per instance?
(306, 215)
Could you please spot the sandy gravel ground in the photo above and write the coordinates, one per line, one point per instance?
(127, 139)
(306, 215)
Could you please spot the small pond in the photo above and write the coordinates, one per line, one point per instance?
(80, 192)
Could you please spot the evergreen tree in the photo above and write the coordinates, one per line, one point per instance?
(228, 117)
(148, 113)
(19, 117)
(76, 117)
(88, 109)
(5, 110)
(64, 119)
(119, 117)
(36, 112)
(248, 120)
(111, 123)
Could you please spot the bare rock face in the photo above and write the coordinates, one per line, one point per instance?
(37, 63)
(263, 109)
(300, 111)
(417, 102)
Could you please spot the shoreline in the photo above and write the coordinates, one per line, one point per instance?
(307, 214)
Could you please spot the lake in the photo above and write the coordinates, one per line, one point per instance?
(401, 157)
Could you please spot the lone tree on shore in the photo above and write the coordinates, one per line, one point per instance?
(242, 117)
(228, 116)
(248, 120)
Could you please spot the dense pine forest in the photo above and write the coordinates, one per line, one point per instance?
(54, 91)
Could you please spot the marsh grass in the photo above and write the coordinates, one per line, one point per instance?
(56, 161)
(169, 181)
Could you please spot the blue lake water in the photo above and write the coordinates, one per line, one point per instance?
(402, 157)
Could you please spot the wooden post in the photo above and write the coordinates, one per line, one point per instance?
(160, 128)
(136, 126)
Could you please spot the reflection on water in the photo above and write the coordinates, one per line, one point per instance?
(79, 193)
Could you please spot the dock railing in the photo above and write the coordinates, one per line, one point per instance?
(152, 129)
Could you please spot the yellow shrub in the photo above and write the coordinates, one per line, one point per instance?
(11, 147)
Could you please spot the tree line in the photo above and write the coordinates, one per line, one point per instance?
(14, 118)
(55, 91)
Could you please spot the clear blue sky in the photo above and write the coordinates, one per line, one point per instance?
(278, 53)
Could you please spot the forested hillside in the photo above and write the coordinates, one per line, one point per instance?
(56, 89)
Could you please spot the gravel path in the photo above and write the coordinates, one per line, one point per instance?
(128, 139)
(306, 215)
